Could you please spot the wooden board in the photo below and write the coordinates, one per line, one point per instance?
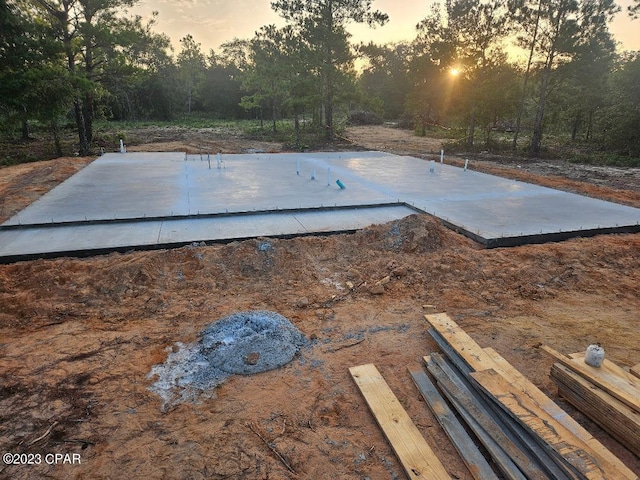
(611, 414)
(473, 459)
(501, 459)
(461, 365)
(525, 410)
(461, 342)
(480, 359)
(607, 377)
(415, 455)
(609, 461)
(635, 370)
(610, 369)
(491, 431)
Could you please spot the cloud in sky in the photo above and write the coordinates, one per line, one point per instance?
(210, 22)
(213, 22)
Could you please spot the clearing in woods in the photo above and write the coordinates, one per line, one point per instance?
(79, 336)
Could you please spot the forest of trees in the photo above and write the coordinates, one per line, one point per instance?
(532, 68)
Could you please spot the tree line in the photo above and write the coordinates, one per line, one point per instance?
(74, 61)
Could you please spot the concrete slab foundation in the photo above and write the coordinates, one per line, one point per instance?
(150, 200)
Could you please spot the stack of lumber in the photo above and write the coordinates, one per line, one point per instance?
(524, 432)
(501, 424)
(609, 395)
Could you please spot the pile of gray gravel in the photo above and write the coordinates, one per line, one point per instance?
(243, 343)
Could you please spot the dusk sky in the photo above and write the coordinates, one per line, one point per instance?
(213, 22)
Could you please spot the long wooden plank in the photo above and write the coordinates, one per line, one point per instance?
(473, 459)
(462, 343)
(615, 385)
(609, 461)
(612, 415)
(509, 469)
(635, 370)
(506, 453)
(415, 455)
(523, 409)
(452, 355)
(610, 369)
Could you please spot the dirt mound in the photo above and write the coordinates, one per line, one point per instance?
(412, 234)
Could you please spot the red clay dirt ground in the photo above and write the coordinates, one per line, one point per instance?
(78, 337)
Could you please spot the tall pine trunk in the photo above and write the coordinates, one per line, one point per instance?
(274, 116)
(536, 138)
(88, 113)
(25, 130)
(83, 143)
(472, 130)
(328, 108)
(87, 107)
(55, 130)
(526, 77)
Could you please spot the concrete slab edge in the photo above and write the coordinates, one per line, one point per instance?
(165, 218)
(88, 252)
(84, 253)
(558, 236)
(540, 238)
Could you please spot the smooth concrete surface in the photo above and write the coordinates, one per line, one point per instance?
(81, 239)
(148, 185)
(146, 199)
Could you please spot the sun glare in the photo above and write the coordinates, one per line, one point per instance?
(455, 72)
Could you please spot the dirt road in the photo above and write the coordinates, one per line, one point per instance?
(78, 338)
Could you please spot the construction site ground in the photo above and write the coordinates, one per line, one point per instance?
(79, 336)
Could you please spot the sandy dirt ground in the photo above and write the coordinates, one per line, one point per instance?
(79, 336)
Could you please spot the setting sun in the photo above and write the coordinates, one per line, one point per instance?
(455, 72)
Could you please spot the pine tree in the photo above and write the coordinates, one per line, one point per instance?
(322, 23)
